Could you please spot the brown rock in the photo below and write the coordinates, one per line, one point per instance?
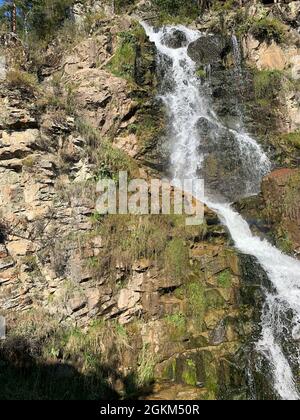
(281, 192)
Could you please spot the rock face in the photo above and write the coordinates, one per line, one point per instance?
(182, 323)
(281, 191)
(274, 214)
(56, 257)
(81, 8)
(268, 56)
(45, 175)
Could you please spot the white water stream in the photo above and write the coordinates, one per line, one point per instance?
(186, 102)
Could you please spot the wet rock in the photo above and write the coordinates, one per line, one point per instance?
(175, 39)
(208, 49)
(205, 126)
(218, 335)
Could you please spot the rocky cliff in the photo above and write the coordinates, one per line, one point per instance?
(128, 305)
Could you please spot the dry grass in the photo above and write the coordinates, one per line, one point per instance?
(22, 80)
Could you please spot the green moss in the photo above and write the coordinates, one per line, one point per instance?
(224, 279)
(284, 242)
(178, 320)
(265, 29)
(201, 73)
(177, 259)
(179, 293)
(189, 375)
(169, 371)
(211, 381)
(177, 325)
(213, 299)
(123, 62)
(196, 301)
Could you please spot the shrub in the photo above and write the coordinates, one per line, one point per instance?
(178, 7)
(22, 80)
(224, 279)
(108, 159)
(292, 139)
(146, 365)
(284, 243)
(123, 4)
(268, 29)
(221, 6)
(112, 160)
(123, 61)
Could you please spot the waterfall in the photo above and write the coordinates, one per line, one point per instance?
(238, 72)
(237, 55)
(193, 122)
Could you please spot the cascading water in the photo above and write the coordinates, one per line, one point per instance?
(188, 103)
(237, 55)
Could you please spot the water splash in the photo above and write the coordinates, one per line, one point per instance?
(187, 103)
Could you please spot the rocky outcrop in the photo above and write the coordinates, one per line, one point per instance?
(281, 196)
(274, 214)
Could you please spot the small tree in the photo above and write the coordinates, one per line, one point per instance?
(14, 17)
(9, 12)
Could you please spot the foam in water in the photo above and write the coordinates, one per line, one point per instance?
(186, 103)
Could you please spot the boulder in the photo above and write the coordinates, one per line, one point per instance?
(175, 39)
(208, 49)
